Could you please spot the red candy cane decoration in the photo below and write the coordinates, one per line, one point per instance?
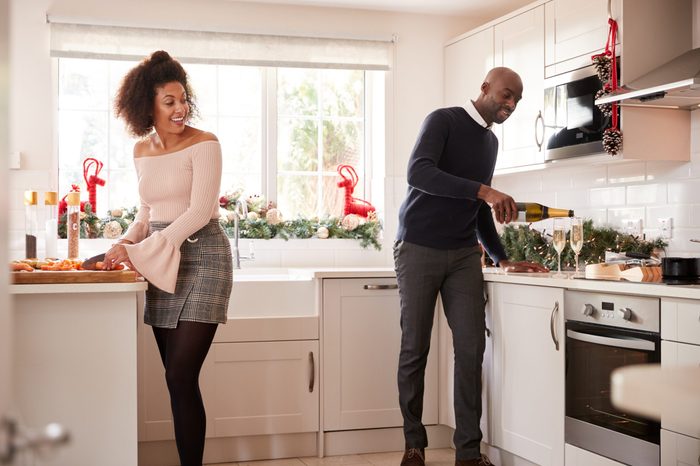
(93, 180)
(352, 205)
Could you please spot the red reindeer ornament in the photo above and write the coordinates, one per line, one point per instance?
(352, 205)
(92, 181)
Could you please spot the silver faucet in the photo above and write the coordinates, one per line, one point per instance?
(240, 212)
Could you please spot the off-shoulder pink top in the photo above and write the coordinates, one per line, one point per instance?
(180, 188)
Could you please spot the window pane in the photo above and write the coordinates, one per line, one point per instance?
(297, 145)
(82, 84)
(297, 195)
(297, 91)
(117, 71)
(121, 146)
(240, 89)
(203, 83)
(242, 151)
(342, 92)
(122, 187)
(333, 199)
(342, 144)
(81, 134)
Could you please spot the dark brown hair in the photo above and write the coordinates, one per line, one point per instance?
(134, 99)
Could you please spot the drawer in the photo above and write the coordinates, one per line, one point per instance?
(680, 320)
(679, 354)
(679, 450)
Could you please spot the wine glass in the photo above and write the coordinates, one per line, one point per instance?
(576, 238)
(559, 242)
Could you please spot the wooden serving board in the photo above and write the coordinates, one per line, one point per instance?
(73, 276)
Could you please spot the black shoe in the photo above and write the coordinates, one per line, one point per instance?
(413, 457)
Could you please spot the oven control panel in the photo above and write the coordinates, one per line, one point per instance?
(637, 312)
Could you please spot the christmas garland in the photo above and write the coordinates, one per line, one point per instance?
(523, 243)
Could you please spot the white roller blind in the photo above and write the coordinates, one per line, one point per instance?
(130, 43)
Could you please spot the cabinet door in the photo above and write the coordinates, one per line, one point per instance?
(520, 46)
(466, 63)
(679, 450)
(261, 388)
(361, 342)
(248, 389)
(576, 29)
(675, 354)
(528, 385)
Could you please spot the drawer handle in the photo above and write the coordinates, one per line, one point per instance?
(312, 378)
(381, 287)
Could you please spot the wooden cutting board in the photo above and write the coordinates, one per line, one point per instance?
(620, 271)
(73, 276)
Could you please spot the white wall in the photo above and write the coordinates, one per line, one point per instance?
(610, 194)
(415, 90)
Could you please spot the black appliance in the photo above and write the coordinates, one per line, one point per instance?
(573, 124)
(605, 332)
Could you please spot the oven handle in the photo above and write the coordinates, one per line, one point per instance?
(632, 343)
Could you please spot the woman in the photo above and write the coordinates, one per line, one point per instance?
(175, 241)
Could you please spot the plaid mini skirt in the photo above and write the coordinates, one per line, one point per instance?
(204, 281)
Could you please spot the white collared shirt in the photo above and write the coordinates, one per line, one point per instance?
(476, 116)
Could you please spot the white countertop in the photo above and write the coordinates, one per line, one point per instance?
(49, 288)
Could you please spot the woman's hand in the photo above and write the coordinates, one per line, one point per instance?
(522, 267)
(117, 255)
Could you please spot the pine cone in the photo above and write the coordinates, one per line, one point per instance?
(603, 66)
(612, 141)
(605, 109)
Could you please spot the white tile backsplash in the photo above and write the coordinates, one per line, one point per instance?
(573, 199)
(684, 191)
(616, 217)
(646, 194)
(605, 197)
(626, 172)
(681, 214)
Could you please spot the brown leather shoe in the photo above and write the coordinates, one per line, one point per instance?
(413, 457)
(482, 461)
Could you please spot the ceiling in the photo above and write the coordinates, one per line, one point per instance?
(472, 8)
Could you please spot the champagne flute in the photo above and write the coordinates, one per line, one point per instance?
(559, 242)
(576, 238)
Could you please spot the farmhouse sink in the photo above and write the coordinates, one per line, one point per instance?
(272, 292)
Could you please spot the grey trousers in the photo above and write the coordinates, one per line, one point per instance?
(422, 273)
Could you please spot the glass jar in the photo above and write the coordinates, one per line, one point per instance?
(30, 224)
(73, 224)
(51, 225)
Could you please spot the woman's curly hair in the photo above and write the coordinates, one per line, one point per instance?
(134, 99)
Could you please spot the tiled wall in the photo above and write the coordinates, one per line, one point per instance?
(612, 193)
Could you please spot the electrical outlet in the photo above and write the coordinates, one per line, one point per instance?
(633, 226)
(666, 227)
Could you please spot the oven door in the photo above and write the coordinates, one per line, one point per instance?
(593, 352)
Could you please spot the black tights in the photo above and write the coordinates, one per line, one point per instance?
(183, 350)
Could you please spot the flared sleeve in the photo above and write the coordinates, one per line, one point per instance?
(138, 230)
(157, 257)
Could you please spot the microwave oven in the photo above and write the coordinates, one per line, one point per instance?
(573, 124)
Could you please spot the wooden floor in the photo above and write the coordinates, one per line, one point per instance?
(433, 457)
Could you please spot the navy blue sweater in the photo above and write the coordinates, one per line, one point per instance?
(453, 156)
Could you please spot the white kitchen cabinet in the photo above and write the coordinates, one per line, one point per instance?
(361, 342)
(679, 450)
(249, 388)
(466, 63)
(528, 372)
(519, 45)
(575, 30)
(261, 388)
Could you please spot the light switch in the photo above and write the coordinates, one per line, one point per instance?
(666, 227)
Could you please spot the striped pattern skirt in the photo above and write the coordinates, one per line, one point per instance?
(204, 281)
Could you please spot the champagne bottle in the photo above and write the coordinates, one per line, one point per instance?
(534, 212)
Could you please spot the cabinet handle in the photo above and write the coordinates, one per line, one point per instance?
(539, 143)
(312, 378)
(381, 287)
(551, 325)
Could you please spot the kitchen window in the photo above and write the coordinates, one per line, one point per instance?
(283, 130)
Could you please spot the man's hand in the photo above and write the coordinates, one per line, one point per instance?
(502, 204)
(522, 267)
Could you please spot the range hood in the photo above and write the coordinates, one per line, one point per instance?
(675, 84)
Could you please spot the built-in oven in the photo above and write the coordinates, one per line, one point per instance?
(573, 124)
(605, 332)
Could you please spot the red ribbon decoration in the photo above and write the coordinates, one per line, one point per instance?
(93, 180)
(610, 51)
(63, 205)
(352, 205)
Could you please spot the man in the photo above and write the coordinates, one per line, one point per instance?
(445, 215)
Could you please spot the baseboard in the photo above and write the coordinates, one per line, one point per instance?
(380, 440)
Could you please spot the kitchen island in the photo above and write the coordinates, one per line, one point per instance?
(75, 364)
